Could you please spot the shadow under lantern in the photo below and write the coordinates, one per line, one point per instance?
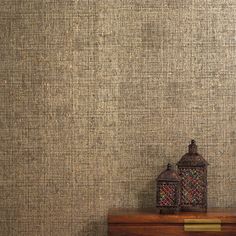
(192, 169)
(168, 191)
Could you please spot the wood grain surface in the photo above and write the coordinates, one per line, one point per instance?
(148, 222)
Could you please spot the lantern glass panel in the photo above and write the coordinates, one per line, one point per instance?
(168, 193)
(193, 186)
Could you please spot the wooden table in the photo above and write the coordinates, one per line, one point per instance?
(148, 222)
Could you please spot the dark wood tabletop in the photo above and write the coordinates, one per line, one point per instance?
(149, 222)
(152, 215)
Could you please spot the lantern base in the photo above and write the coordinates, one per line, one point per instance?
(167, 211)
(193, 209)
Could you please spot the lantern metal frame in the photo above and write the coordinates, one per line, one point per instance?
(169, 177)
(193, 164)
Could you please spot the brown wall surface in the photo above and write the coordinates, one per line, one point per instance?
(98, 95)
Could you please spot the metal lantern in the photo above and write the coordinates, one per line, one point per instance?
(168, 191)
(192, 169)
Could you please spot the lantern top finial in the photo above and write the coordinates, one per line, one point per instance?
(169, 175)
(192, 157)
(192, 148)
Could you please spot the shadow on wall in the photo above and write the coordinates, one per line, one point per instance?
(94, 228)
(233, 205)
(147, 197)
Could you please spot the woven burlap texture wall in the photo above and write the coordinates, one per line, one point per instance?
(97, 96)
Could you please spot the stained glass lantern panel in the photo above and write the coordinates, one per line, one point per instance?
(167, 194)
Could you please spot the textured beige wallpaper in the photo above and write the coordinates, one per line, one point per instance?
(98, 95)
